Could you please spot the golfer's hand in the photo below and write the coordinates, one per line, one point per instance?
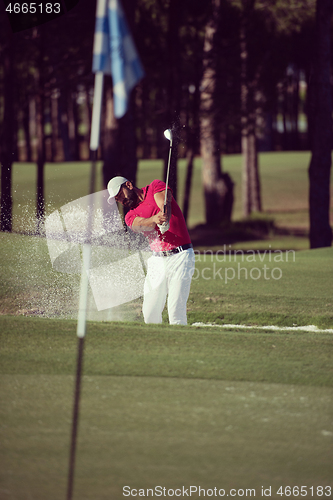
(164, 227)
(162, 222)
(142, 224)
(160, 218)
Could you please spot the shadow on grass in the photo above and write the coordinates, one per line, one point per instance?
(251, 229)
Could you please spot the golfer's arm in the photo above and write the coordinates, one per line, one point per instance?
(159, 200)
(141, 224)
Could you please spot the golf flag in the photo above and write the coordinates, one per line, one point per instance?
(115, 54)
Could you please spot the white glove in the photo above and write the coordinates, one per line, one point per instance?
(164, 227)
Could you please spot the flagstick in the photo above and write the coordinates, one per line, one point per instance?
(115, 62)
(75, 418)
(86, 254)
(96, 116)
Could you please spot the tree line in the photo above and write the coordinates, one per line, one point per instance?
(229, 76)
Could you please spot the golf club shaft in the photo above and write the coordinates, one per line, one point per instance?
(167, 178)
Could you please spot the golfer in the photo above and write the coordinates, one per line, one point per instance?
(171, 267)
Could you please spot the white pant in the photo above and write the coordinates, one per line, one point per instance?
(170, 276)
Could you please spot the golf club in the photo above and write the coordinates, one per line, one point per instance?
(167, 135)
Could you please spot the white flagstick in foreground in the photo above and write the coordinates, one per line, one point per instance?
(86, 257)
(99, 48)
(86, 250)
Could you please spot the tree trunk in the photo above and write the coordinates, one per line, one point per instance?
(7, 140)
(188, 182)
(111, 148)
(192, 134)
(25, 122)
(40, 122)
(76, 123)
(285, 138)
(251, 197)
(54, 120)
(218, 187)
(250, 179)
(119, 142)
(128, 122)
(295, 131)
(16, 126)
(174, 89)
(40, 168)
(254, 175)
(33, 127)
(63, 125)
(144, 111)
(129, 162)
(320, 165)
(86, 119)
(118, 137)
(308, 111)
(71, 125)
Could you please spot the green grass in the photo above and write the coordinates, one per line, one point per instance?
(284, 184)
(300, 294)
(225, 288)
(161, 405)
(44, 347)
(284, 187)
(64, 182)
(169, 406)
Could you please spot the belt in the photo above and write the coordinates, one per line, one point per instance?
(179, 249)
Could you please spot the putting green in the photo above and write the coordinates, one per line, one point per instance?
(276, 288)
(167, 406)
(147, 432)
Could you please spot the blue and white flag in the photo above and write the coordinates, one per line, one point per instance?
(115, 54)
